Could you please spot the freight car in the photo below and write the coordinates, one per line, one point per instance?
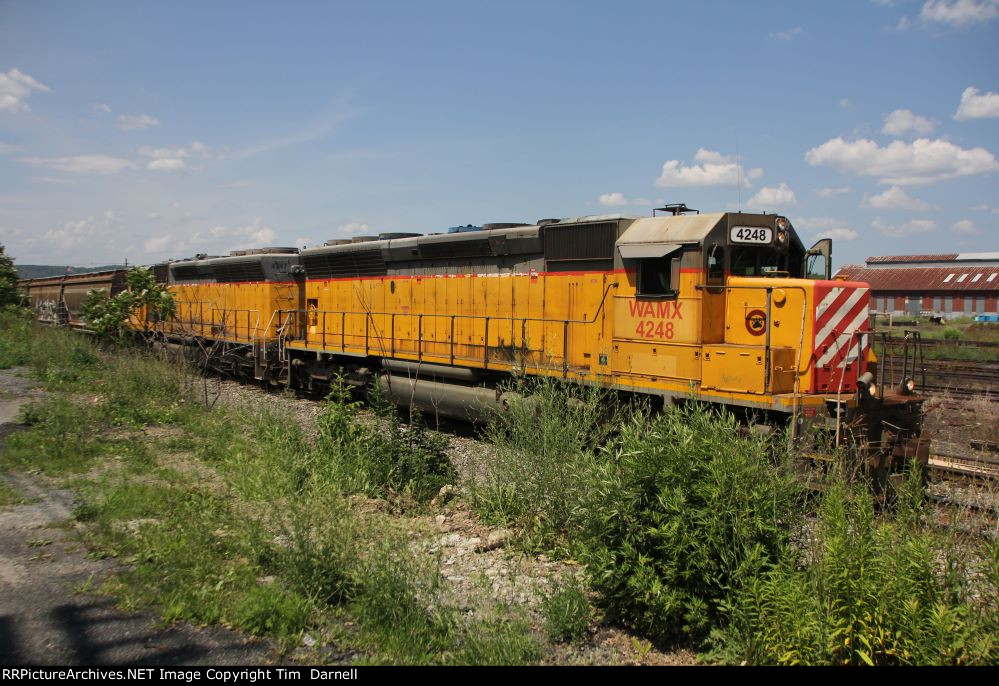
(58, 300)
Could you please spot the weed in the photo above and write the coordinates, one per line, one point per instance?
(566, 612)
(9, 495)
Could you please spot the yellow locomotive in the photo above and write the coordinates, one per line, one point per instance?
(717, 307)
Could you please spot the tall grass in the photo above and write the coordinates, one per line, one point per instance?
(542, 459)
(380, 458)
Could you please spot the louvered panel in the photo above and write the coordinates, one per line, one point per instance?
(244, 270)
(333, 265)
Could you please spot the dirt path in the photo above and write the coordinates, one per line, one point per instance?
(47, 617)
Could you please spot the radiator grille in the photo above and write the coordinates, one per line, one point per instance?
(580, 241)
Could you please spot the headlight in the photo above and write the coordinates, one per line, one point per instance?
(866, 383)
(781, 236)
(782, 224)
(908, 387)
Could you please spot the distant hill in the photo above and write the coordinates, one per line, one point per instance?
(38, 271)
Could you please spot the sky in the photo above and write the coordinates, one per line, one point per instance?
(143, 131)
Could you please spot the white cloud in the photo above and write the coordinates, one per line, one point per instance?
(102, 107)
(985, 207)
(15, 88)
(256, 234)
(82, 164)
(715, 169)
(160, 153)
(302, 241)
(960, 13)
(830, 191)
(264, 234)
(769, 198)
(826, 227)
(838, 233)
(8, 149)
(167, 164)
(129, 122)
(614, 200)
(75, 233)
(813, 223)
(352, 228)
(172, 159)
(786, 35)
(904, 24)
(619, 200)
(901, 122)
(906, 229)
(976, 105)
(196, 148)
(845, 103)
(901, 163)
(964, 226)
(896, 199)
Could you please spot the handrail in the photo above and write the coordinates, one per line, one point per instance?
(368, 314)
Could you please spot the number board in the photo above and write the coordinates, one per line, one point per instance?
(751, 234)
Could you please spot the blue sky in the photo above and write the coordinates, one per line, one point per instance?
(143, 131)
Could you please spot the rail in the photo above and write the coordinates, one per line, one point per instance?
(300, 320)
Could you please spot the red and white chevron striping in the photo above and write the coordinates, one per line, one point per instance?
(841, 316)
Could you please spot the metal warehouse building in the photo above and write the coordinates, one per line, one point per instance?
(953, 285)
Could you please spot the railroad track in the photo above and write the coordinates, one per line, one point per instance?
(964, 465)
(959, 378)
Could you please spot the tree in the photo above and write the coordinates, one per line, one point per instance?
(144, 302)
(10, 294)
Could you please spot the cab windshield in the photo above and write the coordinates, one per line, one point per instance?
(758, 261)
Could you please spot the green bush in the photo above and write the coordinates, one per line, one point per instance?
(952, 334)
(865, 589)
(684, 510)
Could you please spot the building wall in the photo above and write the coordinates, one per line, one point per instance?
(949, 305)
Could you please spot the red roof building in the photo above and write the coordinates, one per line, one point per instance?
(951, 285)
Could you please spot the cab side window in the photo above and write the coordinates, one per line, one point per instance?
(716, 266)
(659, 276)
